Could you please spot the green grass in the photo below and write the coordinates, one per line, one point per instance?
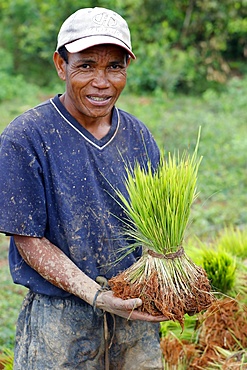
(11, 297)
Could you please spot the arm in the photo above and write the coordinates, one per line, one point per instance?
(53, 265)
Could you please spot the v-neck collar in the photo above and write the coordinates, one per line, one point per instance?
(70, 120)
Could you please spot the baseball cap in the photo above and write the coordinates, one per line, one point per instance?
(94, 26)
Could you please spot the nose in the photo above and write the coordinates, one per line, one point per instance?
(100, 79)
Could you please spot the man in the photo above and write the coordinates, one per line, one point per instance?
(60, 163)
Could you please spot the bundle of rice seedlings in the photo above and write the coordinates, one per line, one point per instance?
(220, 267)
(158, 210)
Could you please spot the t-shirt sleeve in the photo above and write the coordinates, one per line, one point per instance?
(22, 198)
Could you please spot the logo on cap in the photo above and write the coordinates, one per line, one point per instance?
(104, 19)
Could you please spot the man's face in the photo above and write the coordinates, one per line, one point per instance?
(95, 78)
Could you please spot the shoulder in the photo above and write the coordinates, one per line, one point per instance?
(135, 127)
(31, 121)
(137, 136)
(128, 117)
(129, 121)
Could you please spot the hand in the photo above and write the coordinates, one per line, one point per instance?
(125, 308)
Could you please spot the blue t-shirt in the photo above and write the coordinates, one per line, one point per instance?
(57, 181)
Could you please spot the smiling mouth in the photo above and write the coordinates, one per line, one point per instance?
(98, 98)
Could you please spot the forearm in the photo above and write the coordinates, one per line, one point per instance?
(51, 263)
(54, 266)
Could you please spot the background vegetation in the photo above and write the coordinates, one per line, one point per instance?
(190, 72)
(182, 45)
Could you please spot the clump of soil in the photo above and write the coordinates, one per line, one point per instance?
(223, 326)
(173, 297)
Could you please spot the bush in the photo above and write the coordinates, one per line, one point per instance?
(12, 85)
(158, 68)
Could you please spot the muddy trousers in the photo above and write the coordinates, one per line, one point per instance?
(54, 333)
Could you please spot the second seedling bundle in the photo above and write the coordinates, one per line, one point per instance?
(158, 210)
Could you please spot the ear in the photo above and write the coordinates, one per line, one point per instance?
(60, 65)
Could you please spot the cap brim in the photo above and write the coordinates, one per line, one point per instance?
(87, 42)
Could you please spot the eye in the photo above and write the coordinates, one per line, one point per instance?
(116, 66)
(85, 66)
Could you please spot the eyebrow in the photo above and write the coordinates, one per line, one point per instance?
(90, 61)
(85, 60)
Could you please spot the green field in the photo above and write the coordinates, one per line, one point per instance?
(174, 122)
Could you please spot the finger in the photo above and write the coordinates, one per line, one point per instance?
(118, 304)
(137, 315)
(132, 303)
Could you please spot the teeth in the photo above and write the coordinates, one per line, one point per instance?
(96, 98)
